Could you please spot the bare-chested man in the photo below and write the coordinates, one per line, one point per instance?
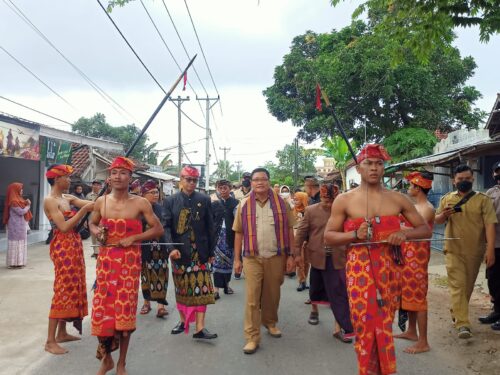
(371, 213)
(66, 251)
(415, 276)
(116, 222)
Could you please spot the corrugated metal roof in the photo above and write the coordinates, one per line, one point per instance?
(158, 175)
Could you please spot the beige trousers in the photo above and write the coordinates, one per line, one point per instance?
(263, 279)
(462, 273)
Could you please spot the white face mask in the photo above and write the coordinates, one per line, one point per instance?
(285, 195)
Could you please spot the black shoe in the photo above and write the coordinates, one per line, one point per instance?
(489, 319)
(237, 276)
(216, 296)
(228, 290)
(94, 256)
(496, 326)
(205, 335)
(301, 287)
(179, 328)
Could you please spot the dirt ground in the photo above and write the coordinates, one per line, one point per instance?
(479, 355)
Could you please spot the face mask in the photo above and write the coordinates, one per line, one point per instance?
(464, 186)
(245, 183)
(285, 195)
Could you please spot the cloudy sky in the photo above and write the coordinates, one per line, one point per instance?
(243, 41)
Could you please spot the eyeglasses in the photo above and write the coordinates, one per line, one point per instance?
(260, 179)
(191, 180)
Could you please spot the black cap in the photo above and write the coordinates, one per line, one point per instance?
(496, 166)
(97, 182)
(247, 175)
(223, 182)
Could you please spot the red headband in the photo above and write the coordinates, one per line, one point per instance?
(189, 171)
(416, 179)
(373, 150)
(59, 170)
(122, 162)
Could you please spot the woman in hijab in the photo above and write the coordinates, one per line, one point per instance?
(16, 216)
(301, 200)
(154, 272)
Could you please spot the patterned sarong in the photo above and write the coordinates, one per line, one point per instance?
(117, 285)
(415, 280)
(154, 273)
(373, 324)
(70, 290)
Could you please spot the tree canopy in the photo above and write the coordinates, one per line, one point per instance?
(421, 25)
(97, 127)
(354, 67)
(409, 143)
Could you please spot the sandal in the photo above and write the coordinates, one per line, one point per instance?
(161, 312)
(343, 336)
(313, 318)
(145, 309)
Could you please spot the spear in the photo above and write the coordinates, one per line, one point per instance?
(140, 244)
(145, 127)
(415, 240)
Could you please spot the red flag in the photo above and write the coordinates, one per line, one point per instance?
(318, 97)
(185, 81)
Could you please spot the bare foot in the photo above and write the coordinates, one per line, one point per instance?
(107, 364)
(407, 336)
(121, 370)
(67, 337)
(55, 348)
(417, 348)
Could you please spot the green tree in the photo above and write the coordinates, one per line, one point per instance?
(354, 68)
(97, 127)
(224, 169)
(409, 143)
(336, 148)
(422, 25)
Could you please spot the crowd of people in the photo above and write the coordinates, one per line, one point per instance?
(363, 252)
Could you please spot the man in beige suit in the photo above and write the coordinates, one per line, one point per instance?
(327, 277)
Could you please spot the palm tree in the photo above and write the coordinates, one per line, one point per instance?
(224, 169)
(337, 149)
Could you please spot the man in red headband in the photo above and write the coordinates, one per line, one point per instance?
(416, 260)
(116, 222)
(369, 213)
(66, 251)
(327, 278)
(188, 219)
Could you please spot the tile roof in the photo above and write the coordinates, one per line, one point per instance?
(80, 159)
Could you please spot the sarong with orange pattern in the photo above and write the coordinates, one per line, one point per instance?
(415, 279)
(69, 302)
(118, 272)
(368, 268)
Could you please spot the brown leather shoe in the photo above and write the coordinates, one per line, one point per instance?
(273, 331)
(250, 347)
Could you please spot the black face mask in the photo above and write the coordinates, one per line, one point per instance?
(464, 186)
(497, 178)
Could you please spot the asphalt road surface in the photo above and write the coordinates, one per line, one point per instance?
(303, 349)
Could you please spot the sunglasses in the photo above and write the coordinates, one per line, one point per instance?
(191, 180)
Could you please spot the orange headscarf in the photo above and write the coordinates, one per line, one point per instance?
(59, 170)
(302, 200)
(416, 178)
(123, 162)
(14, 199)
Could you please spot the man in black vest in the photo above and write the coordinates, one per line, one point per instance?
(223, 210)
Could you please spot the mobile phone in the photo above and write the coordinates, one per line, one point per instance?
(457, 209)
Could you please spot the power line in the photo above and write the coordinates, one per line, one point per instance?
(35, 110)
(172, 55)
(94, 85)
(36, 77)
(140, 60)
(183, 46)
(203, 53)
(213, 146)
(186, 155)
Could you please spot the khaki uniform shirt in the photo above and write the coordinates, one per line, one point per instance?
(468, 225)
(266, 236)
(494, 194)
(92, 196)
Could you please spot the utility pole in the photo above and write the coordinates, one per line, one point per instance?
(226, 150)
(209, 105)
(238, 169)
(179, 101)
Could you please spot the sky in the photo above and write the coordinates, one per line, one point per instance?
(243, 41)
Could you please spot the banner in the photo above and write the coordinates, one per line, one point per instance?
(19, 141)
(55, 151)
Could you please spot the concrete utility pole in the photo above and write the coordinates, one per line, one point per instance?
(207, 139)
(226, 150)
(238, 169)
(179, 101)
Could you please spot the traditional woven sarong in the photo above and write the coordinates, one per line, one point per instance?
(193, 287)
(415, 279)
(369, 268)
(154, 273)
(117, 285)
(70, 291)
(224, 258)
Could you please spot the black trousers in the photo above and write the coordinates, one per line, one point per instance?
(493, 276)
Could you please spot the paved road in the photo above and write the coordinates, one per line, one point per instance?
(302, 349)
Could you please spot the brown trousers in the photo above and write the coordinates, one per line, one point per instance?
(263, 279)
(462, 273)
